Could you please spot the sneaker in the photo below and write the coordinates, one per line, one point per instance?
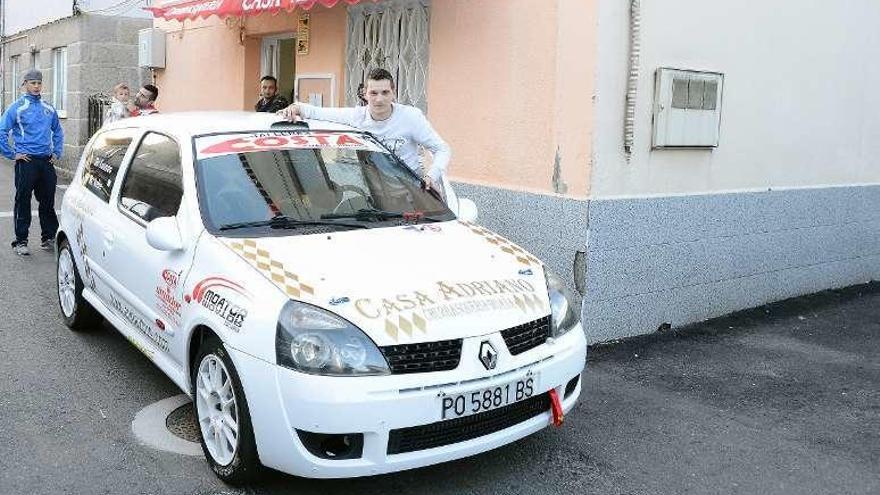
(46, 245)
(21, 249)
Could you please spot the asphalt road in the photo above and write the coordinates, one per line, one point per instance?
(781, 399)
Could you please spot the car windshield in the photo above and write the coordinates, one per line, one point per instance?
(300, 181)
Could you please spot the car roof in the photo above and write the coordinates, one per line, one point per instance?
(187, 124)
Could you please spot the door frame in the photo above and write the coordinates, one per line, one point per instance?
(270, 67)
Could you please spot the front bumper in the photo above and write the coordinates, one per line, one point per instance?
(282, 401)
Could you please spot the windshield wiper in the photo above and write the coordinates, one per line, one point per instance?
(365, 214)
(283, 222)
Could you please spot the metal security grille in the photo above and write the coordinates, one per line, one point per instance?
(98, 104)
(392, 35)
(417, 438)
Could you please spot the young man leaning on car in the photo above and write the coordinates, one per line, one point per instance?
(401, 128)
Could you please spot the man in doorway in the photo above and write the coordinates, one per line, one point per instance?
(38, 142)
(144, 101)
(270, 100)
(401, 128)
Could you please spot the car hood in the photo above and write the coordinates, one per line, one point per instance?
(415, 283)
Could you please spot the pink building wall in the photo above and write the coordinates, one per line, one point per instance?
(510, 83)
(211, 64)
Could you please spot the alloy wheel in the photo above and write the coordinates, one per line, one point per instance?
(217, 409)
(66, 283)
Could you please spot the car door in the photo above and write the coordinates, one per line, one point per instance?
(148, 283)
(90, 207)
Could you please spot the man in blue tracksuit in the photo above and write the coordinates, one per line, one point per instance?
(38, 142)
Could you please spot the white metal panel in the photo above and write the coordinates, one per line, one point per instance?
(151, 48)
(687, 108)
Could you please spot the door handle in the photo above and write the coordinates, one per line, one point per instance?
(109, 238)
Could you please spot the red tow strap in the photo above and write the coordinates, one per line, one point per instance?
(556, 408)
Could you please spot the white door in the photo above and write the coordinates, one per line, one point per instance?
(147, 288)
(91, 207)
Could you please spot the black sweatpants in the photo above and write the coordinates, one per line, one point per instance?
(36, 177)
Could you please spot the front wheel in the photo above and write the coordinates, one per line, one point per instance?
(77, 312)
(223, 416)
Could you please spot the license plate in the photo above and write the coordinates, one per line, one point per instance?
(486, 399)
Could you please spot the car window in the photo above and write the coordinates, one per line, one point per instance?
(305, 176)
(153, 185)
(103, 161)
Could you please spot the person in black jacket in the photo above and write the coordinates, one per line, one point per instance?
(270, 100)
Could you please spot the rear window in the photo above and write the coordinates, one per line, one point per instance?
(103, 161)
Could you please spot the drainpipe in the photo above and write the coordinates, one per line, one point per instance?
(632, 82)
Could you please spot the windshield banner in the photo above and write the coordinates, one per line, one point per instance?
(226, 144)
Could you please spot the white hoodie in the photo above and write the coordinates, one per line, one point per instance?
(402, 133)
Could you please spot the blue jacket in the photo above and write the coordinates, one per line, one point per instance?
(35, 128)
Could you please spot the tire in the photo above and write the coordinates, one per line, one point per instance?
(78, 314)
(231, 453)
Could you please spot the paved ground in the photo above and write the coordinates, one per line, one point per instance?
(781, 399)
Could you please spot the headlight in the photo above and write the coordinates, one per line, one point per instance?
(564, 316)
(315, 341)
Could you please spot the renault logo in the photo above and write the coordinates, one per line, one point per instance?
(488, 355)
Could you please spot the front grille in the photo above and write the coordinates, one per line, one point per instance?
(457, 430)
(520, 339)
(423, 357)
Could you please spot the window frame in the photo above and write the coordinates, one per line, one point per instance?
(59, 80)
(130, 162)
(15, 69)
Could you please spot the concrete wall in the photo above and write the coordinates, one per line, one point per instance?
(799, 105)
(682, 259)
(788, 202)
(101, 51)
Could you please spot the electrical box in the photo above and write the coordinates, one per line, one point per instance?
(151, 48)
(687, 108)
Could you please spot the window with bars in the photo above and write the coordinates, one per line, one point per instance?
(59, 80)
(392, 35)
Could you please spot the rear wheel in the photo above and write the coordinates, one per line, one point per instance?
(77, 312)
(223, 415)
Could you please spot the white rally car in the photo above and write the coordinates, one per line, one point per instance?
(329, 315)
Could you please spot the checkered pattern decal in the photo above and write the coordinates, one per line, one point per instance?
(405, 325)
(288, 281)
(503, 244)
(530, 301)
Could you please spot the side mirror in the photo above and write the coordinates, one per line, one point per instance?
(467, 210)
(163, 234)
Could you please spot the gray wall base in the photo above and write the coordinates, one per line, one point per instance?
(679, 260)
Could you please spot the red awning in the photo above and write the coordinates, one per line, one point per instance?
(192, 9)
